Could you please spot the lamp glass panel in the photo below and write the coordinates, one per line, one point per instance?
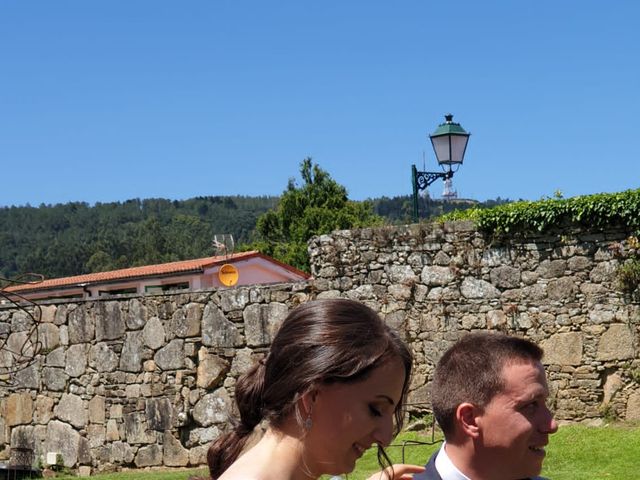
(441, 148)
(458, 146)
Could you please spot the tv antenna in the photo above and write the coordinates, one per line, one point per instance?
(449, 193)
(223, 244)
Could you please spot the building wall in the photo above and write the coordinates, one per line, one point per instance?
(148, 380)
(251, 271)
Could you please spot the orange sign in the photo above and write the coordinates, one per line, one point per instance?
(228, 275)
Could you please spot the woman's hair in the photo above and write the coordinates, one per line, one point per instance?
(319, 343)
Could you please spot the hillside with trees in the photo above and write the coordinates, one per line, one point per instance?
(76, 238)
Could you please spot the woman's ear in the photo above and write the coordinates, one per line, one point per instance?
(307, 401)
(467, 419)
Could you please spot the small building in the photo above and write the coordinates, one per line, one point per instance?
(245, 268)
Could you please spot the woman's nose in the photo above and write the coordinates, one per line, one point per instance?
(384, 432)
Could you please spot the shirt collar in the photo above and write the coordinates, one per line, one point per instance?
(446, 468)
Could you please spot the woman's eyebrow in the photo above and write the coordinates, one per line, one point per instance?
(387, 398)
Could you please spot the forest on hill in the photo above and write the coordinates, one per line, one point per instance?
(76, 238)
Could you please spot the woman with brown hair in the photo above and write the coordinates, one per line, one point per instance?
(333, 384)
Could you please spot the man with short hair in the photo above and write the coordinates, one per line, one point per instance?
(489, 397)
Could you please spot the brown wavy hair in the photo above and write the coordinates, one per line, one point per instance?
(319, 343)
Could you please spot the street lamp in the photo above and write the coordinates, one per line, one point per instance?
(449, 143)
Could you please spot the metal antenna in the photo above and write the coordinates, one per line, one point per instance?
(223, 244)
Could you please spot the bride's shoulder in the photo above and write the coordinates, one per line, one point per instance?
(241, 472)
(240, 476)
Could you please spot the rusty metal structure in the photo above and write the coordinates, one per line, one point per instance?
(18, 349)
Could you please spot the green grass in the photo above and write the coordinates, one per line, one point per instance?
(413, 453)
(576, 452)
(153, 474)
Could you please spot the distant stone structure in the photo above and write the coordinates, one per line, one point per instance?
(148, 380)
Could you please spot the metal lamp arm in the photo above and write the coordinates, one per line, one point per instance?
(424, 179)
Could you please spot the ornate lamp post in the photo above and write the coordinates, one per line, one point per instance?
(449, 143)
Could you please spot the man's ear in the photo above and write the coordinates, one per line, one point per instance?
(466, 416)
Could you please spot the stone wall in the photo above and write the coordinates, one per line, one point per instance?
(436, 282)
(136, 381)
(148, 380)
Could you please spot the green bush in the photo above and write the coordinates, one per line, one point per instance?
(594, 212)
(628, 275)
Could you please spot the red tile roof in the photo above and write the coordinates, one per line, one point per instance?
(184, 266)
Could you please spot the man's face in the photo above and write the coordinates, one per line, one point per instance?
(516, 424)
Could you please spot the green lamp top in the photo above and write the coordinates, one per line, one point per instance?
(449, 127)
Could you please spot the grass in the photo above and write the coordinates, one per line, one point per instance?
(611, 453)
(576, 452)
(151, 474)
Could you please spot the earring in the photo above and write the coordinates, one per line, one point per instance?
(308, 423)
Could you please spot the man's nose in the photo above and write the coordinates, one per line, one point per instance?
(548, 424)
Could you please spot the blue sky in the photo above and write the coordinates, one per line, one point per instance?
(109, 100)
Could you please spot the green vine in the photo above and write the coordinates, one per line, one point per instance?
(593, 211)
(632, 370)
(590, 212)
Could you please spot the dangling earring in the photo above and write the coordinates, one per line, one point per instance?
(308, 423)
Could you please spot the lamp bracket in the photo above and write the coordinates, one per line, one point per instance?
(424, 179)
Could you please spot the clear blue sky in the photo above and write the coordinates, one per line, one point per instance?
(109, 100)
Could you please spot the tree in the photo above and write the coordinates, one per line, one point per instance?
(188, 237)
(99, 262)
(319, 206)
(150, 243)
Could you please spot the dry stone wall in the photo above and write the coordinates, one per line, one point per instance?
(436, 282)
(136, 381)
(148, 380)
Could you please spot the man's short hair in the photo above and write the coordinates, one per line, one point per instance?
(471, 371)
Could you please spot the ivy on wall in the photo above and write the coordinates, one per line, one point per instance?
(592, 211)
